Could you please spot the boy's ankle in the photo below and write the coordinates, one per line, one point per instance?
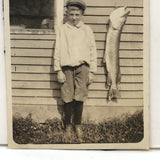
(68, 127)
(79, 132)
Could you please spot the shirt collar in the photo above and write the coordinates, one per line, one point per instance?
(79, 25)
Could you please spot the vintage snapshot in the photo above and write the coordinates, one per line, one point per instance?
(77, 74)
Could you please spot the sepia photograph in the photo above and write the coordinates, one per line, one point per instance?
(77, 73)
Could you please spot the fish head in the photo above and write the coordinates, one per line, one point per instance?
(125, 11)
(118, 17)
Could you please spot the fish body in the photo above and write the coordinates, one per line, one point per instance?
(116, 22)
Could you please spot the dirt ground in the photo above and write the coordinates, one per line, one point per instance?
(127, 129)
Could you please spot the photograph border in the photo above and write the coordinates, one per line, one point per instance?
(144, 144)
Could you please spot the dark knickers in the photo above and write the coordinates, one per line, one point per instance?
(76, 85)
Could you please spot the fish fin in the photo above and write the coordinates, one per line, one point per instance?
(104, 58)
(119, 78)
(109, 80)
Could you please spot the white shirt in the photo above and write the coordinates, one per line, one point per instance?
(74, 46)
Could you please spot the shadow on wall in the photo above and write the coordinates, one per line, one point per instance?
(55, 87)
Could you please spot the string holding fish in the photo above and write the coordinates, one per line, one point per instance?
(117, 20)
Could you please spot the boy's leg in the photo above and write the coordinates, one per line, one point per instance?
(67, 95)
(67, 88)
(81, 82)
(77, 113)
(75, 87)
(77, 118)
(68, 110)
(81, 92)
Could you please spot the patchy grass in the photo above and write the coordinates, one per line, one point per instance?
(127, 129)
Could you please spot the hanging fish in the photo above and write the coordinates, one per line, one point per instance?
(117, 20)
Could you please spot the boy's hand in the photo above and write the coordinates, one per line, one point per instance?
(61, 77)
(90, 78)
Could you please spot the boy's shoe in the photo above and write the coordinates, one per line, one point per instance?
(79, 133)
(68, 129)
(68, 133)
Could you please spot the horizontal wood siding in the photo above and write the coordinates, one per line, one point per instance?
(34, 81)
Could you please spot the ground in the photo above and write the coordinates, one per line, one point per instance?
(126, 129)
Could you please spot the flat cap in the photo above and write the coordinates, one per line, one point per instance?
(76, 2)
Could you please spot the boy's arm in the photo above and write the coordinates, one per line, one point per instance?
(93, 57)
(56, 56)
(93, 53)
(57, 68)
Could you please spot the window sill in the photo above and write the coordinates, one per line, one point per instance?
(21, 30)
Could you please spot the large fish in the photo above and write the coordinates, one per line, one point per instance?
(117, 20)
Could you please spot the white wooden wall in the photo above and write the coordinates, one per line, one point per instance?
(34, 82)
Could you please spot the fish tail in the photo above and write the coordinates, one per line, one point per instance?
(113, 93)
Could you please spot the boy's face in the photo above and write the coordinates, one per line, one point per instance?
(74, 15)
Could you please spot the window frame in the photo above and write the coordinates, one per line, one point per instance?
(58, 20)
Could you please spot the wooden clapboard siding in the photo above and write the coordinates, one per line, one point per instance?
(56, 85)
(98, 78)
(105, 11)
(49, 61)
(27, 52)
(89, 102)
(102, 28)
(34, 82)
(50, 44)
(98, 37)
(49, 69)
(56, 93)
(103, 20)
(113, 3)
(52, 77)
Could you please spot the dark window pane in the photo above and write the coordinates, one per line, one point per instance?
(32, 13)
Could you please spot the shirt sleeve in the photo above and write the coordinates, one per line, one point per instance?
(93, 53)
(56, 56)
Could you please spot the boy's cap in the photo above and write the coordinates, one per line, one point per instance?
(76, 2)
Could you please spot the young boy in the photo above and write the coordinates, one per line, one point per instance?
(75, 61)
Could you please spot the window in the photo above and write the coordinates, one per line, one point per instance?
(34, 14)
